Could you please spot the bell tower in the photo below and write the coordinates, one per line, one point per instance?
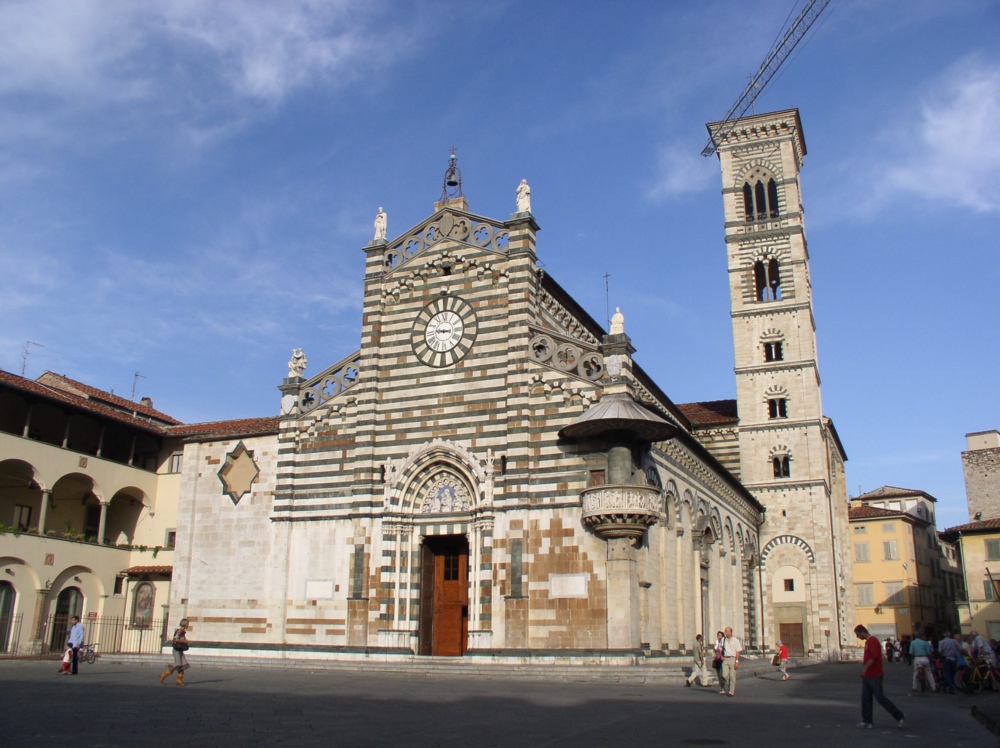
(790, 455)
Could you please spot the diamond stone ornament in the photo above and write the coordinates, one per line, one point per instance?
(238, 473)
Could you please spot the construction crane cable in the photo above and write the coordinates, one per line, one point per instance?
(774, 60)
(800, 49)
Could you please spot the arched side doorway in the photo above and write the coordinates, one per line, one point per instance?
(7, 597)
(68, 604)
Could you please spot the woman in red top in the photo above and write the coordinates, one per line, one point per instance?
(783, 657)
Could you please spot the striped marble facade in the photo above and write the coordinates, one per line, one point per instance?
(400, 443)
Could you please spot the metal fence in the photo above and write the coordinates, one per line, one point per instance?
(107, 635)
(10, 635)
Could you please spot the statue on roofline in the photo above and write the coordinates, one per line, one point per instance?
(523, 197)
(297, 366)
(381, 221)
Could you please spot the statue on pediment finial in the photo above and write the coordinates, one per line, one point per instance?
(297, 366)
(523, 197)
(618, 322)
(381, 221)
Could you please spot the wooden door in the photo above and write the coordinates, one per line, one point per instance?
(791, 637)
(451, 597)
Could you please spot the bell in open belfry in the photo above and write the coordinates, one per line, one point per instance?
(452, 184)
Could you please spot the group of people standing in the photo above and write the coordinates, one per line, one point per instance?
(725, 661)
(958, 652)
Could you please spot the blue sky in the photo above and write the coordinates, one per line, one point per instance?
(186, 186)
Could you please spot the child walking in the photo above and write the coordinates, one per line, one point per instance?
(67, 660)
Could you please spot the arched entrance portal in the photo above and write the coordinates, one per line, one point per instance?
(444, 596)
(68, 604)
(7, 594)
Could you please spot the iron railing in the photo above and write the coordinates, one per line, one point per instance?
(107, 635)
(10, 635)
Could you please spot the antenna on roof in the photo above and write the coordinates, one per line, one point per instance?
(135, 380)
(607, 302)
(25, 352)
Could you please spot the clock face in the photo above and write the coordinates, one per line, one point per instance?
(444, 331)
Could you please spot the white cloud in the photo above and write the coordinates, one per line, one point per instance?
(205, 65)
(952, 155)
(680, 169)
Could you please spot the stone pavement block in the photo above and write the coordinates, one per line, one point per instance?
(124, 705)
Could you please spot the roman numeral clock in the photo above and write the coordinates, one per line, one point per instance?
(444, 331)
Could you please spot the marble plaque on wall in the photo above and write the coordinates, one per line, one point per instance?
(568, 585)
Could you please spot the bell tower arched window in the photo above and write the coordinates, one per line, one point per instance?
(760, 199)
(767, 280)
(782, 466)
(772, 198)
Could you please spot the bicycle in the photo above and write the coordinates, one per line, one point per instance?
(88, 652)
(972, 679)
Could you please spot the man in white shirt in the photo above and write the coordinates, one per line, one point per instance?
(731, 649)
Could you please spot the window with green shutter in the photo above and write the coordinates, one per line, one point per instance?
(993, 550)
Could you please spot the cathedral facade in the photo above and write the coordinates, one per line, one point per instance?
(491, 473)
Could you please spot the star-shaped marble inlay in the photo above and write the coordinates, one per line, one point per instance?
(238, 473)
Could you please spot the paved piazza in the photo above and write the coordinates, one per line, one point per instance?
(111, 704)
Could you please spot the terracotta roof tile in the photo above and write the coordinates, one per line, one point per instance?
(238, 427)
(710, 412)
(983, 525)
(874, 512)
(79, 401)
(135, 570)
(63, 382)
(891, 492)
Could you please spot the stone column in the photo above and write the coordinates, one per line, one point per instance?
(679, 607)
(398, 576)
(36, 644)
(623, 595)
(699, 620)
(103, 522)
(43, 512)
(474, 535)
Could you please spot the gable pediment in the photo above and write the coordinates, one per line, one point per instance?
(448, 229)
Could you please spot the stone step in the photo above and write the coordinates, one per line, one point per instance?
(654, 671)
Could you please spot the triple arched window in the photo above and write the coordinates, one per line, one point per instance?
(760, 199)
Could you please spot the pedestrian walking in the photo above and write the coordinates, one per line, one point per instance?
(717, 660)
(888, 650)
(920, 651)
(871, 680)
(783, 661)
(731, 649)
(699, 670)
(76, 634)
(180, 646)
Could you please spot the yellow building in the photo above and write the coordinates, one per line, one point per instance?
(896, 567)
(89, 485)
(979, 549)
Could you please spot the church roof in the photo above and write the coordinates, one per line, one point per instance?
(710, 412)
(239, 427)
(893, 492)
